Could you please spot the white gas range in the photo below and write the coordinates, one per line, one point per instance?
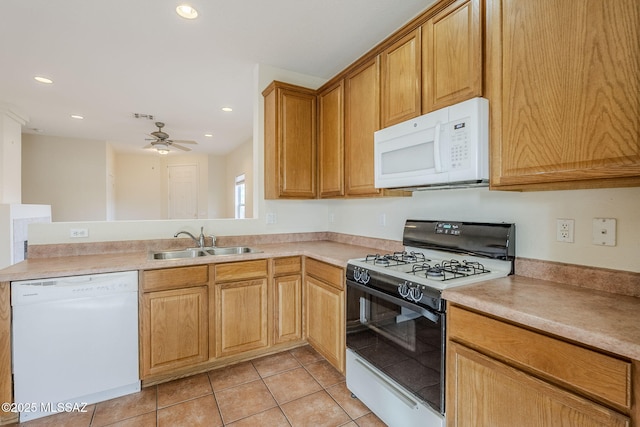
(396, 315)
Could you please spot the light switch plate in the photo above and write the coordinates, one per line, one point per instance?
(604, 232)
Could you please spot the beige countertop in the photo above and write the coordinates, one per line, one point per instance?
(598, 319)
(328, 251)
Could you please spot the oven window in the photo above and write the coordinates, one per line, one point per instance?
(399, 342)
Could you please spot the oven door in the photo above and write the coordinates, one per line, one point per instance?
(398, 341)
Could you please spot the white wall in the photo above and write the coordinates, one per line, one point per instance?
(67, 173)
(138, 187)
(534, 214)
(238, 162)
(10, 155)
(218, 196)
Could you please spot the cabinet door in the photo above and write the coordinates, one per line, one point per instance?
(325, 320)
(452, 55)
(241, 316)
(6, 385)
(287, 303)
(400, 70)
(362, 119)
(174, 326)
(564, 89)
(484, 392)
(331, 141)
(290, 142)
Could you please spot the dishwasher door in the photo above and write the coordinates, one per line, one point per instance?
(75, 341)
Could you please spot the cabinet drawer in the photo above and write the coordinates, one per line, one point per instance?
(171, 278)
(286, 265)
(240, 270)
(587, 371)
(325, 272)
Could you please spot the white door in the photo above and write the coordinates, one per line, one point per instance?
(183, 191)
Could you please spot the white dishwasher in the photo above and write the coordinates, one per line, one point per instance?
(75, 341)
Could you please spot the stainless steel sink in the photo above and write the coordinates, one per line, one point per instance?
(231, 250)
(185, 253)
(207, 251)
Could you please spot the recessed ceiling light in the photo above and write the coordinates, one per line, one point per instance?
(208, 135)
(76, 116)
(186, 11)
(227, 109)
(43, 80)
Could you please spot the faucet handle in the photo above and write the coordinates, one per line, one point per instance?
(213, 240)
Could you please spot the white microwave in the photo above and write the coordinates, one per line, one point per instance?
(447, 147)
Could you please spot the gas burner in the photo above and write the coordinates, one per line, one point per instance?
(397, 258)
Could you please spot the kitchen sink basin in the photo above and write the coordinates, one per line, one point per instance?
(230, 250)
(208, 251)
(185, 253)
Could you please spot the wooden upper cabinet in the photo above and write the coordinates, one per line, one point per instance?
(362, 119)
(400, 76)
(331, 141)
(289, 141)
(564, 88)
(452, 55)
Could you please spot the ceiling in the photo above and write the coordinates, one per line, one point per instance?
(109, 59)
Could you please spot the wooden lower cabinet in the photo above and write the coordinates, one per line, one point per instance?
(287, 299)
(500, 374)
(325, 311)
(241, 307)
(175, 329)
(6, 385)
(174, 319)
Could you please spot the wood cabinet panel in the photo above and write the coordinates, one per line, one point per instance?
(331, 141)
(240, 270)
(287, 308)
(452, 55)
(484, 392)
(241, 309)
(325, 320)
(564, 89)
(290, 141)
(401, 80)
(586, 371)
(286, 265)
(362, 119)
(330, 274)
(174, 328)
(173, 278)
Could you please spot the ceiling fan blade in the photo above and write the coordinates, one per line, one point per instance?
(182, 141)
(180, 147)
(147, 146)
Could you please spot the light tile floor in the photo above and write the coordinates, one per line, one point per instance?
(293, 388)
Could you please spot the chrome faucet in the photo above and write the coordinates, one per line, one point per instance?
(199, 240)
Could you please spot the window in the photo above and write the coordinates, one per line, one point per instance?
(240, 196)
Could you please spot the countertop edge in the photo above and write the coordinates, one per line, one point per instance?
(516, 299)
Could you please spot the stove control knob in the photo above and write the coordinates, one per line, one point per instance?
(415, 294)
(361, 276)
(404, 290)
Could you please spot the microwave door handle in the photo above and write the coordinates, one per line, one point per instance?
(436, 148)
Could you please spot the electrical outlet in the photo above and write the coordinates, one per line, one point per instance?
(382, 220)
(271, 218)
(604, 232)
(79, 232)
(564, 230)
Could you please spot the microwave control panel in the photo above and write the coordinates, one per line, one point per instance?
(459, 144)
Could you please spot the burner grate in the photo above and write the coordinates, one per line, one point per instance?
(448, 270)
(397, 258)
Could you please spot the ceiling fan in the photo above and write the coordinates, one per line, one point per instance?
(161, 142)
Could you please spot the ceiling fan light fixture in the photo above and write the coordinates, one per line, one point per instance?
(186, 11)
(162, 148)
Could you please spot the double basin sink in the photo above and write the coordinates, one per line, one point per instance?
(200, 252)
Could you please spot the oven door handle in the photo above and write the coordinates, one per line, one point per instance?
(434, 317)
